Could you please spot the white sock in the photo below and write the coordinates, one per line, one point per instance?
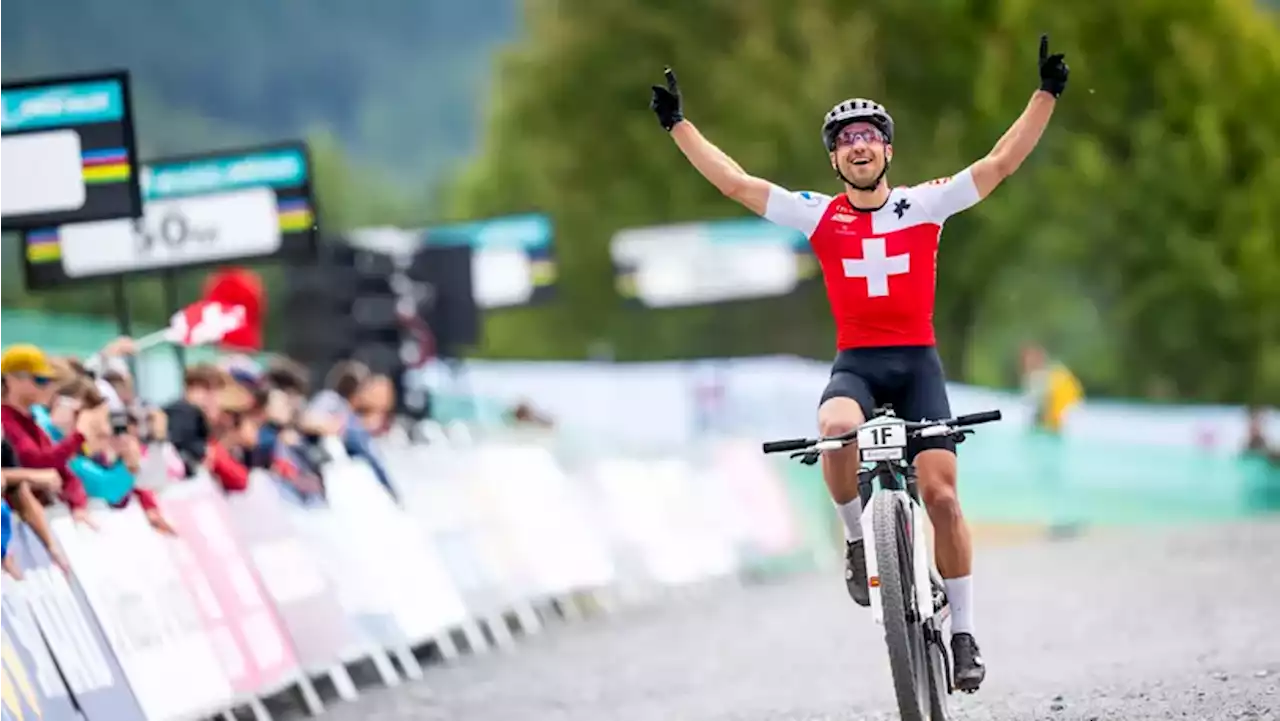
(851, 514)
(960, 598)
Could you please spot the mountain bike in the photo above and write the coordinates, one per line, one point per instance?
(912, 602)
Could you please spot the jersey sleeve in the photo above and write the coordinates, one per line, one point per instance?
(947, 196)
(801, 211)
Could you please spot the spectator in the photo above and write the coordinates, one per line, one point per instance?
(524, 415)
(20, 487)
(1051, 388)
(107, 464)
(1256, 443)
(290, 434)
(27, 379)
(375, 404)
(189, 418)
(235, 430)
(342, 385)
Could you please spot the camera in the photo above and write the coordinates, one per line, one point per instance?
(120, 421)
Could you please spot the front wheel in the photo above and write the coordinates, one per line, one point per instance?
(903, 633)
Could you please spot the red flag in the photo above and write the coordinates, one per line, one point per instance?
(230, 314)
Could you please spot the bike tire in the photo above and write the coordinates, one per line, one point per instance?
(893, 546)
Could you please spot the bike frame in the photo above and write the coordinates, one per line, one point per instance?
(896, 479)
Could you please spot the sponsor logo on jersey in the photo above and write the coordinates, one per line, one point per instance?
(810, 199)
(843, 217)
(939, 181)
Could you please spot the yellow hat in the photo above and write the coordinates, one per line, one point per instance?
(26, 358)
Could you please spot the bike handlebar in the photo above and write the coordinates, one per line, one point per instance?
(974, 419)
(914, 429)
(795, 444)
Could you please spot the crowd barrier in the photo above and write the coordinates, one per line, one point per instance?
(262, 593)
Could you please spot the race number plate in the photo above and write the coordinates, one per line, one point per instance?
(882, 441)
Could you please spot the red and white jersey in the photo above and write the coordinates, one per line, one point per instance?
(880, 266)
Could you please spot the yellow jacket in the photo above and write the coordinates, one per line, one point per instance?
(1053, 392)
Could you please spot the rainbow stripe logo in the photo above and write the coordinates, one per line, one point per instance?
(105, 165)
(295, 215)
(43, 246)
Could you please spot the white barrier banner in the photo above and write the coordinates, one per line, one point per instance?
(562, 546)
(148, 615)
(361, 597)
(653, 506)
(393, 552)
(753, 501)
(439, 489)
(292, 574)
(247, 633)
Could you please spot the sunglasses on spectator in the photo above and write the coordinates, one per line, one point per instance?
(852, 135)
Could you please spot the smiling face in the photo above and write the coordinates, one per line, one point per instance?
(861, 153)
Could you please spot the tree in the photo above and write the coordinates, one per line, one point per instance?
(1148, 211)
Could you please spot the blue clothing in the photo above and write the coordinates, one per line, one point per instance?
(6, 528)
(109, 483)
(355, 438)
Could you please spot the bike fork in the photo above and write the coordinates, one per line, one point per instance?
(920, 564)
(873, 566)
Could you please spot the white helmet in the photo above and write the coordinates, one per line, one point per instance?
(852, 111)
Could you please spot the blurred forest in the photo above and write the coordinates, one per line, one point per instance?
(1140, 244)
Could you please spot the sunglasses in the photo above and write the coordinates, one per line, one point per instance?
(851, 135)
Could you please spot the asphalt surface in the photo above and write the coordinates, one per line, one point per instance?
(1119, 625)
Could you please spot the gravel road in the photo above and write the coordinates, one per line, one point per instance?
(1117, 625)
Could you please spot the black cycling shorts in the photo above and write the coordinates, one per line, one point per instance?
(910, 378)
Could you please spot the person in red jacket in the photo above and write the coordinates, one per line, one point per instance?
(28, 379)
(236, 426)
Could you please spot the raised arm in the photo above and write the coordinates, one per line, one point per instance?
(717, 167)
(1021, 138)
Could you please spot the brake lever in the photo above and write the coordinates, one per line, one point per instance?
(960, 434)
(808, 458)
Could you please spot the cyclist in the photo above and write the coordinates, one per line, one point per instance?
(877, 247)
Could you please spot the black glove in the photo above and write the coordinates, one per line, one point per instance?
(666, 102)
(1053, 69)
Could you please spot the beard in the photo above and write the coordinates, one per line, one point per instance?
(864, 177)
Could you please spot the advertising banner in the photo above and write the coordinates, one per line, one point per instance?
(149, 617)
(559, 540)
(384, 542)
(707, 263)
(292, 575)
(198, 210)
(256, 655)
(46, 603)
(512, 263)
(30, 685)
(70, 155)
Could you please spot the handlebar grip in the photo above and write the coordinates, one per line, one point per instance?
(974, 419)
(794, 444)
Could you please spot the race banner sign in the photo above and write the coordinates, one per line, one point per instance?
(512, 262)
(51, 605)
(198, 210)
(708, 263)
(70, 154)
